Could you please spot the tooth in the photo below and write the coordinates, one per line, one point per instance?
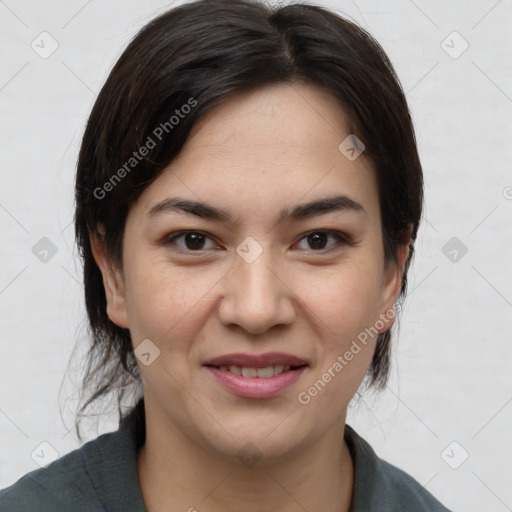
(278, 368)
(268, 371)
(249, 372)
(235, 369)
(223, 368)
(286, 368)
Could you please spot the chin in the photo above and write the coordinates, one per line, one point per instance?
(255, 441)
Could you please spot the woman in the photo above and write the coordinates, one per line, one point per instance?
(248, 192)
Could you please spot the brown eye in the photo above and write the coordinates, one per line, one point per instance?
(191, 241)
(318, 240)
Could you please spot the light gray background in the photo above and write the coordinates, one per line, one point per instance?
(451, 377)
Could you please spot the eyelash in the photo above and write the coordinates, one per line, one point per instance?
(342, 240)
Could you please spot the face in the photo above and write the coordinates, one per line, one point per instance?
(281, 269)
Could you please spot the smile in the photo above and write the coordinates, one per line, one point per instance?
(262, 373)
(248, 382)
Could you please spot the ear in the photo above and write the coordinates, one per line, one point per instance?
(392, 284)
(112, 280)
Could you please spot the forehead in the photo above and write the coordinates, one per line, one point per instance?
(273, 146)
(282, 117)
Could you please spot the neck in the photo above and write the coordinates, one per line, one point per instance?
(176, 474)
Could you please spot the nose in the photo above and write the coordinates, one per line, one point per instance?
(256, 296)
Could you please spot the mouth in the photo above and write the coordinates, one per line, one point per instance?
(256, 376)
(257, 361)
(266, 372)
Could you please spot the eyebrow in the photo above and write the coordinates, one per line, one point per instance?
(340, 203)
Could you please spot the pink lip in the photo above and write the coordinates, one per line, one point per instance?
(256, 387)
(256, 361)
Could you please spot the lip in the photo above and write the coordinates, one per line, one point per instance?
(256, 360)
(256, 387)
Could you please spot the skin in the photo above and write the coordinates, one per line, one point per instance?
(262, 151)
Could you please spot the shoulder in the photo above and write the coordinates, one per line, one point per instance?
(382, 487)
(406, 491)
(99, 476)
(61, 486)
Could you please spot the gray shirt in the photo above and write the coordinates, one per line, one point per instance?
(101, 476)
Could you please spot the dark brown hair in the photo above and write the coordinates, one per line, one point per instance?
(201, 54)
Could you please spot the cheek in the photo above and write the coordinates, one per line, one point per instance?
(346, 300)
(162, 301)
(346, 306)
(167, 307)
